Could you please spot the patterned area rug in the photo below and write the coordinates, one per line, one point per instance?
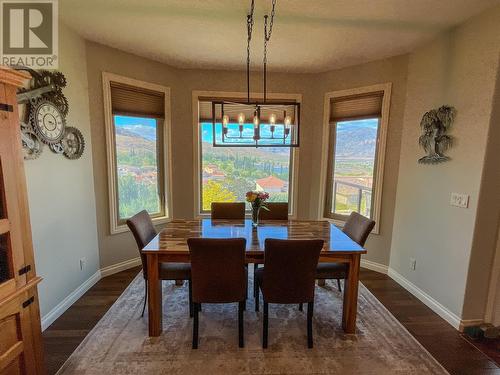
(119, 344)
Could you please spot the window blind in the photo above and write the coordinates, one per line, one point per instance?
(356, 106)
(131, 100)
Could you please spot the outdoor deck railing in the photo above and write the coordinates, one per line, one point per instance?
(360, 190)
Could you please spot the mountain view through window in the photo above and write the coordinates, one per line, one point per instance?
(137, 165)
(354, 166)
(227, 173)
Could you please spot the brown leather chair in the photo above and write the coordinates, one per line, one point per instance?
(218, 275)
(225, 210)
(288, 277)
(144, 231)
(277, 211)
(357, 227)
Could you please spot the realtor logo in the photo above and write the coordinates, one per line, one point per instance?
(29, 33)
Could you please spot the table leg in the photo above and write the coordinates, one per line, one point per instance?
(351, 296)
(154, 296)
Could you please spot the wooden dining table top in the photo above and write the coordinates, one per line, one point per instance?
(173, 238)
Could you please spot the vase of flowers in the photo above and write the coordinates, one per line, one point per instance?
(257, 200)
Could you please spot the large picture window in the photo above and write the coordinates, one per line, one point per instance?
(139, 171)
(136, 124)
(356, 131)
(227, 173)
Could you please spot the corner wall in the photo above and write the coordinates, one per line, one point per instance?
(458, 68)
(61, 193)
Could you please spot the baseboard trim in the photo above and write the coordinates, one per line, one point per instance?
(122, 266)
(470, 323)
(374, 266)
(430, 302)
(66, 303)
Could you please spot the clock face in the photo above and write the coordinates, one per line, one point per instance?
(48, 122)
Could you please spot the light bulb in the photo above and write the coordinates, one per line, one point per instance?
(225, 120)
(272, 118)
(241, 118)
(288, 120)
(256, 120)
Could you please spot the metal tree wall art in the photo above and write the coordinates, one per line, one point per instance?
(434, 139)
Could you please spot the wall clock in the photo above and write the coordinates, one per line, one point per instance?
(42, 112)
(47, 121)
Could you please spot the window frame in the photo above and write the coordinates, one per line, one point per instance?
(164, 150)
(197, 152)
(328, 152)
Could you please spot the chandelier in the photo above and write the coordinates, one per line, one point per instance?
(256, 123)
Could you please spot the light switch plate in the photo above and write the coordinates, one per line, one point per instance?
(459, 200)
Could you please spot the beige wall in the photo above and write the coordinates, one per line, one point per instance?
(61, 193)
(121, 247)
(389, 70)
(487, 223)
(459, 69)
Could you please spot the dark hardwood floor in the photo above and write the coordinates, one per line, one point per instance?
(446, 344)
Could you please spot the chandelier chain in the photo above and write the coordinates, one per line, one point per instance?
(250, 21)
(267, 37)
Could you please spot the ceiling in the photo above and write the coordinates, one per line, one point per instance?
(308, 36)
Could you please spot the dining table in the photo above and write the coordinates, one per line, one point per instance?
(170, 245)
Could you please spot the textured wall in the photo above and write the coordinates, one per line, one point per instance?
(61, 193)
(459, 69)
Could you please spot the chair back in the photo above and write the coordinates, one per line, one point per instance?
(225, 210)
(277, 211)
(144, 231)
(290, 270)
(358, 227)
(218, 273)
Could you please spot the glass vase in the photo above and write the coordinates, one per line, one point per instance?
(255, 216)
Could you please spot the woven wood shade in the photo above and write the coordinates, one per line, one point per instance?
(137, 101)
(356, 107)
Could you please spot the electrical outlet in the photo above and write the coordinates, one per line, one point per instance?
(83, 263)
(459, 200)
(413, 264)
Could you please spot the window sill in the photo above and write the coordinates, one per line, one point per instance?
(122, 228)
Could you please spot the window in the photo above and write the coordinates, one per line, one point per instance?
(136, 125)
(137, 154)
(355, 130)
(227, 173)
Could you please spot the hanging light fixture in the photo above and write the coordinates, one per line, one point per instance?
(256, 123)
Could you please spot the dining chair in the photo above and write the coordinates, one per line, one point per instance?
(277, 211)
(357, 227)
(144, 231)
(228, 210)
(218, 275)
(288, 277)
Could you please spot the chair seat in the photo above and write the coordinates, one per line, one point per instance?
(332, 270)
(175, 271)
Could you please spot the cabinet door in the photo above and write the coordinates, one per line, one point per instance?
(11, 245)
(16, 344)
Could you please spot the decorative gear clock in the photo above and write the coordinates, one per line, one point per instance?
(43, 111)
(47, 121)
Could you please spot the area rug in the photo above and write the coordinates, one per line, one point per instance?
(119, 343)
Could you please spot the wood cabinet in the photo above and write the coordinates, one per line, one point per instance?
(20, 331)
